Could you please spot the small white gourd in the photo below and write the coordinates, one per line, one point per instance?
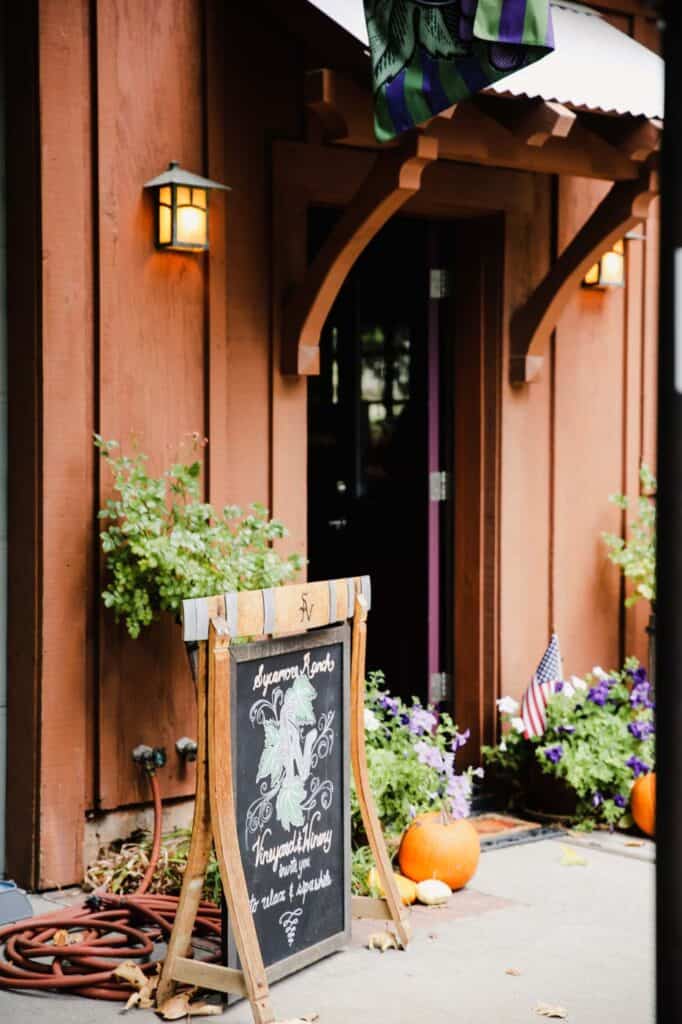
(433, 893)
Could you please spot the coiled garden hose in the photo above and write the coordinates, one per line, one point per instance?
(102, 933)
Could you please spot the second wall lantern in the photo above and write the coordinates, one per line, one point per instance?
(609, 271)
(181, 209)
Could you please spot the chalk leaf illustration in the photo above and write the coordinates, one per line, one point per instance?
(289, 799)
(298, 702)
(294, 743)
(272, 762)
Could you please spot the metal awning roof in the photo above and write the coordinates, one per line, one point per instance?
(595, 66)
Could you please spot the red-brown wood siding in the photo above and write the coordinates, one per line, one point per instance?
(132, 342)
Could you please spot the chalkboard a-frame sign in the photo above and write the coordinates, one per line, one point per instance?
(291, 770)
(276, 720)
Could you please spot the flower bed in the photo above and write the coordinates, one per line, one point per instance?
(598, 739)
(411, 753)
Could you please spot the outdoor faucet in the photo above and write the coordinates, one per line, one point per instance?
(186, 748)
(149, 758)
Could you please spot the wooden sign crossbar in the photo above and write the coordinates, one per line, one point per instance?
(209, 626)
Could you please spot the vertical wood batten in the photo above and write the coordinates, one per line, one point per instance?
(589, 420)
(152, 344)
(24, 648)
(67, 302)
(525, 463)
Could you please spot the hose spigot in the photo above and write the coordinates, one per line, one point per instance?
(186, 748)
(149, 758)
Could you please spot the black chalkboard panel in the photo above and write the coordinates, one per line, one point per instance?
(290, 715)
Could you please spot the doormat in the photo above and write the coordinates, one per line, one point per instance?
(503, 830)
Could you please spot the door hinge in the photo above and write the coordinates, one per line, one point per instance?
(439, 485)
(440, 687)
(439, 283)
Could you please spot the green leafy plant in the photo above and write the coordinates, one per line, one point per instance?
(598, 739)
(411, 766)
(636, 556)
(163, 544)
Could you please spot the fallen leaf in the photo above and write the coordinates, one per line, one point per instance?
(179, 1006)
(132, 1002)
(635, 842)
(133, 974)
(571, 858)
(432, 936)
(514, 971)
(309, 1018)
(382, 941)
(61, 937)
(547, 1010)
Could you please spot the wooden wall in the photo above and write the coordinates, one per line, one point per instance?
(109, 335)
(569, 440)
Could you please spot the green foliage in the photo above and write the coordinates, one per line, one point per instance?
(599, 737)
(410, 761)
(636, 556)
(164, 545)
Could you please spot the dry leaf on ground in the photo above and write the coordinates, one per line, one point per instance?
(309, 1018)
(60, 937)
(548, 1010)
(382, 941)
(514, 971)
(570, 858)
(133, 974)
(179, 1007)
(635, 842)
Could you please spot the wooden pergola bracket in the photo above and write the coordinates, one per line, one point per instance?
(623, 207)
(534, 122)
(394, 178)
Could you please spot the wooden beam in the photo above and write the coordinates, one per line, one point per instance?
(637, 138)
(624, 206)
(394, 178)
(479, 132)
(534, 122)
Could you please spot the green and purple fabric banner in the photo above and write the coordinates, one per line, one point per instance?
(429, 54)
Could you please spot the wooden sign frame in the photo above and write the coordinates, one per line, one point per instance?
(209, 626)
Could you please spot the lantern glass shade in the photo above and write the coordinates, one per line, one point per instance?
(609, 271)
(181, 200)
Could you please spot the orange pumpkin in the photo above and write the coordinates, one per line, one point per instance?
(432, 848)
(643, 803)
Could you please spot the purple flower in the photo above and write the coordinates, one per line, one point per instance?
(459, 791)
(389, 704)
(568, 729)
(421, 721)
(619, 800)
(599, 694)
(640, 730)
(460, 739)
(554, 754)
(638, 676)
(638, 767)
(639, 697)
(429, 755)
(597, 798)
(558, 686)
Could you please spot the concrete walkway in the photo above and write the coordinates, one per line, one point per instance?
(581, 937)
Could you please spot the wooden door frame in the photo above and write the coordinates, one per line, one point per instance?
(306, 175)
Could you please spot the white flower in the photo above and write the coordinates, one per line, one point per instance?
(517, 725)
(599, 673)
(478, 772)
(372, 723)
(569, 689)
(507, 705)
(503, 745)
(578, 683)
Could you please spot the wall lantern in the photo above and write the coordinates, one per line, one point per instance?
(181, 200)
(609, 271)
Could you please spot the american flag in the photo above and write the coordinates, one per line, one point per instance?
(543, 685)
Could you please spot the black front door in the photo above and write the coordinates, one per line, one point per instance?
(368, 469)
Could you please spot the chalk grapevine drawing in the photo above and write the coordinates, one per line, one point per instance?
(289, 921)
(294, 743)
